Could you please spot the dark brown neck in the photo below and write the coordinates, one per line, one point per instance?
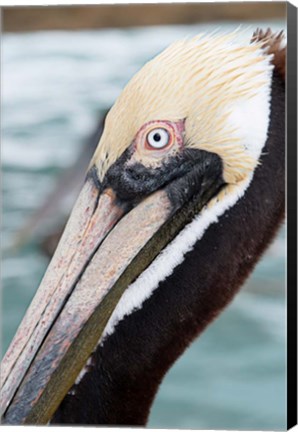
(127, 370)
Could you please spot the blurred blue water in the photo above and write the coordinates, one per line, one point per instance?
(54, 84)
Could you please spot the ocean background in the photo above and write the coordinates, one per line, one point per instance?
(55, 85)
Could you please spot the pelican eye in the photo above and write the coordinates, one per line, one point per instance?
(158, 138)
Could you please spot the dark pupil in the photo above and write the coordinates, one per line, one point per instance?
(157, 137)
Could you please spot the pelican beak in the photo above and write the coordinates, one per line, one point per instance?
(106, 245)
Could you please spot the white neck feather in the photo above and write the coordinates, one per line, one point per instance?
(173, 255)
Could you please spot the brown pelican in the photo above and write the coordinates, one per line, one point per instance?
(184, 193)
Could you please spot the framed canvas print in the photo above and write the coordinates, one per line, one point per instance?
(147, 154)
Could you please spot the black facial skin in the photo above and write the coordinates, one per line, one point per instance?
(205, 170)
(182, 175)
(92, 174)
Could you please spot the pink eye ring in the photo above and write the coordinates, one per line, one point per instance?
(158, 138)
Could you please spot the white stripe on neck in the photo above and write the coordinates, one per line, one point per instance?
(166, 262)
